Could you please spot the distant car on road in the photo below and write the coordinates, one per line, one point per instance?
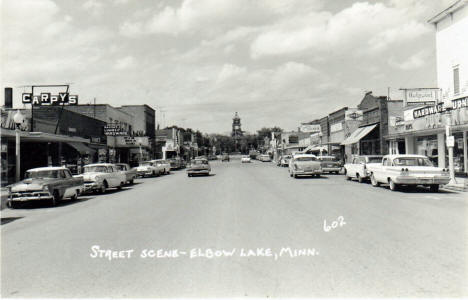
(245, 159)
(162, 165)
(225, 157)
(100, 177)
(48, 183)
(410, 170)
(176, 163)
(212, 157)
(304, 164)
(264, 158)
(358, 166)
(330, 164)
(283, 161)
(199, 166)
(130, 173)
(148, 168)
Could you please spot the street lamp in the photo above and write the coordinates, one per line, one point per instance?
(18, 118)
(450, 141)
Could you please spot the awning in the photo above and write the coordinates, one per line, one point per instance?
(82, 148)
(357, 135)
(316, 148)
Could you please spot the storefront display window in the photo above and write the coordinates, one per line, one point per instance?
(427, 145)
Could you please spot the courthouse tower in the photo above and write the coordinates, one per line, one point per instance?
(236, 126)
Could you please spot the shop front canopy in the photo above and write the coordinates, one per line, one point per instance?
(358, 134)
(82, 148)
(316, 148)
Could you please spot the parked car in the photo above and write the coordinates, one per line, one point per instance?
(199, 166)
(100, 177)
(304, 164)
(283, 161)
(212, 157)
(225, 157)
(253, 154)
(163, 165)
(330, 164)
(245, 159)
(148, 168)
(48, 183)
(130, 173)
(358, 167)
(408, 169)
(176, 163)
(264, 158)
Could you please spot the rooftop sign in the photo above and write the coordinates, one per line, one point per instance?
(49, 99)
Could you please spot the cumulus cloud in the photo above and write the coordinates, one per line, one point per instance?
(412, 62)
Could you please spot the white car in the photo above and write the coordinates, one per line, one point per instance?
(304, 164)
(264, 158)
(245, 159)
(358, 167)
(148, 168)
(162, 165)
(408, 169)
(100, 177)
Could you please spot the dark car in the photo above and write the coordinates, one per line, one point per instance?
(330, 164)
(48, 183)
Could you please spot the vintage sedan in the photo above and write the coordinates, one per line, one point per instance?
(283, 161)
(245, 159)
(264, 158)
(99, 177)
(148, 168)
(358, 166)
(49, 183)
(330, 164)
(130, 173)
(409, 170)
(198, 167)
(225, 157)
(304, 164)
(163, 165)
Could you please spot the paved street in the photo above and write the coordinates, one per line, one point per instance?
(399, 244)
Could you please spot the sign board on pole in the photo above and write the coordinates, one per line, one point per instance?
(451, 141)
(421, 95)
(49, 99)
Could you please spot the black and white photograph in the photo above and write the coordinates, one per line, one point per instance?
(234, 149)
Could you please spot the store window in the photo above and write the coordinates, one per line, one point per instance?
(458, 158)
(427, 145)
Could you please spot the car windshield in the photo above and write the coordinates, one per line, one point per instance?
(42, 174)
(374, 159)
(121, 167)
(328, 158)
(305, 158)
(95, 169)
(412, 161)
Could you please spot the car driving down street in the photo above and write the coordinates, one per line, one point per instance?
(199, 166)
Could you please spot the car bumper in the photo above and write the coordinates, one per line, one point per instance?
(89, 187)
(30, 198)
(144, 173)
(331, 169)
(308, 172)
(198, 172)
(425, 180)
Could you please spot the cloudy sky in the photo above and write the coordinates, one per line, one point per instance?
(276, 62)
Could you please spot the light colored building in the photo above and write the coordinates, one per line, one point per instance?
(426, 126)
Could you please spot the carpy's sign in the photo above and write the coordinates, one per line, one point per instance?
(49, 99)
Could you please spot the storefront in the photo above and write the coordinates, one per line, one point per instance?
(425, 128)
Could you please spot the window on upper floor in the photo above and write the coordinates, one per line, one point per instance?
(456, 80)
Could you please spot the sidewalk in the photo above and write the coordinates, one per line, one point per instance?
(460, 186)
